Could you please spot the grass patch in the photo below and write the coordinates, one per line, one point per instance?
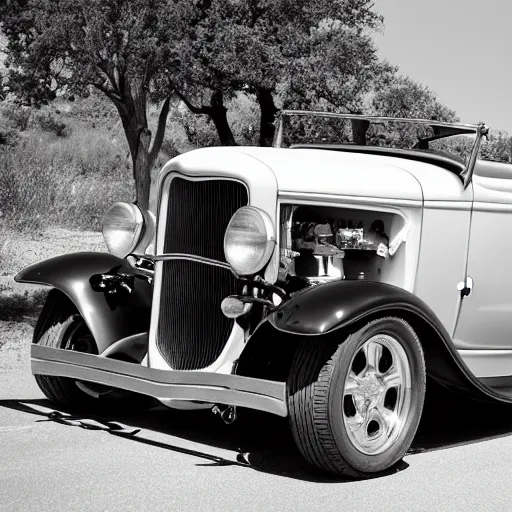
(67, 164)
(70, 182)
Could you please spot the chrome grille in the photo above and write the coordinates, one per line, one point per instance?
(191, 330)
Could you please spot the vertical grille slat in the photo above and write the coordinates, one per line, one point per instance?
(192, 331)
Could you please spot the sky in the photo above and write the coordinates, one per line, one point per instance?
(461, 49)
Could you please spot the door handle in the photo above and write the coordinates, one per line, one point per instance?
(465, 287)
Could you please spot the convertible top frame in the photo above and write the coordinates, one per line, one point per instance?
(441, 129)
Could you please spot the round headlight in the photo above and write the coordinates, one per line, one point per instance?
(122, 228)
(249, 240)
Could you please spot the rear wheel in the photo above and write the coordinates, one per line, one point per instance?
(355, 408)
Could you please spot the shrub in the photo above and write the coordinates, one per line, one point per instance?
(49, 123)
(8, 185)
(244, 119)
(14, 307)
(498, 147)
(8, 135)
(168, 150)
(3, 241)
(189, 131)
(95, 110)
(17, 116)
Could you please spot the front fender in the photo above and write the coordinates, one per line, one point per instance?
(322, 309)
(108, 318)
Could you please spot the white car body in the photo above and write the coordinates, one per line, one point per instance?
(440, 215)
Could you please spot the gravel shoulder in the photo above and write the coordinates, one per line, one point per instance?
(22, 301)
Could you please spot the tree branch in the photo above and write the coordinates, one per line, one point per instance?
(102, 65)
(122, 85)
(160, 132)
(110, 94)
(194, 110)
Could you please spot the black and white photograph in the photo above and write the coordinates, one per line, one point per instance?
(255, 255)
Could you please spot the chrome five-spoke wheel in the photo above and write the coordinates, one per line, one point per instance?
(377, 394)
(355, 403)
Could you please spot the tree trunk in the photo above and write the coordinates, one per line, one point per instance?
(134, 117)
(218, 114)
(268, 112)
(142, 169)
(135, 123)
(359, 129)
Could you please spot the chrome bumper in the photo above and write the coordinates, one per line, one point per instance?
(214, 388)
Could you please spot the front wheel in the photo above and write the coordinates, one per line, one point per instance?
(61, 326)
(355, 408)
(69, 333)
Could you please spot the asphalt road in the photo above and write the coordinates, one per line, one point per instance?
(461, 460)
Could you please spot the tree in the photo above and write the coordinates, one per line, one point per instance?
(205, 51)
(126, 49)
(255, 45)
(326, 55)
(403, 97)
(498, 147)
(342, 68)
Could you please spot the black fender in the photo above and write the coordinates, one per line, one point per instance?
(336, 308)
(109, 317)
(323, 309)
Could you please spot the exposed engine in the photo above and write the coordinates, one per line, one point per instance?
(326, 249)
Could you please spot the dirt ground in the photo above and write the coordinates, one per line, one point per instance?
(18, 251)
(15, 338)
(22, 249)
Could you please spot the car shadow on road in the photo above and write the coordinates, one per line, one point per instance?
(264, 443)
(450, 420)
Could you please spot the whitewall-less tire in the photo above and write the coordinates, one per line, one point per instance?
(355, 407)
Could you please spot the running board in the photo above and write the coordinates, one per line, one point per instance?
(214, 388)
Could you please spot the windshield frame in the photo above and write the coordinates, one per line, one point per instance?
(479, 130)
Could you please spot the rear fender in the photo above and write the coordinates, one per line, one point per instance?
(109, 317)
(336, 309)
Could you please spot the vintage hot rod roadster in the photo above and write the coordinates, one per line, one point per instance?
(322, 279)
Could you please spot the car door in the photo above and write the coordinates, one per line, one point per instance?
(485, 317)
